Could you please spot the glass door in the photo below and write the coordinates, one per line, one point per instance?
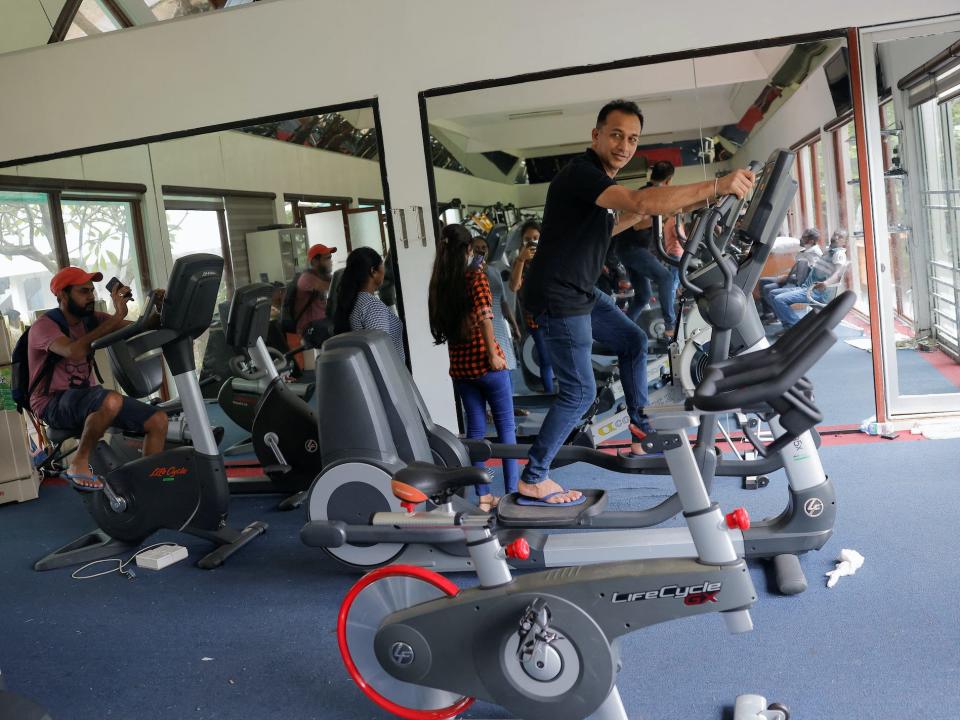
(911, 85)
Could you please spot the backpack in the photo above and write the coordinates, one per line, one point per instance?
(289, 317)
(20, 387)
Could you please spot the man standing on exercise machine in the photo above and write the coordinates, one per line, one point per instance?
(584, 209)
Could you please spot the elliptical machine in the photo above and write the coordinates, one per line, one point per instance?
(185, 488)
(386, 436)
(283, 429)
(544, 646)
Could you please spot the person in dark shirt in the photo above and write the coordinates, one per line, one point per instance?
(580, 218)
(635, 248)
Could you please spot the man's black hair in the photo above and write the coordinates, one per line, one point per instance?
(661, 170)
(625, 106)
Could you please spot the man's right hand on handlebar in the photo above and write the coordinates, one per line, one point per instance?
(739, 183)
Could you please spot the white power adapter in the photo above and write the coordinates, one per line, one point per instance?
(161, 557)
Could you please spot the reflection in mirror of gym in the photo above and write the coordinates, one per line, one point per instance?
(538, 363)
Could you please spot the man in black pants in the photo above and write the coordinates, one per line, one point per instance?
(580, 218)
(634, 247)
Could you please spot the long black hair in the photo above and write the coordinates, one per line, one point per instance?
(361, 264)
(449, 300)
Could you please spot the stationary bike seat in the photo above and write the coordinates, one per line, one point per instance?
(420, 481)
(510, 514)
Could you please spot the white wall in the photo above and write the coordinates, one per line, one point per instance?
(225, 63)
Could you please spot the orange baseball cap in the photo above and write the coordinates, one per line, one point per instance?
(72, 276)
(319, 249)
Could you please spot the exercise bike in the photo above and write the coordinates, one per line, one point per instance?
(183, 489)
(544, 645)
(283, 427)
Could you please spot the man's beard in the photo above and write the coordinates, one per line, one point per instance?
(79, 310)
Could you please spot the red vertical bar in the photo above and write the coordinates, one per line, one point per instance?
(866, 203)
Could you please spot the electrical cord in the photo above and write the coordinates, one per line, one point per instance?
(121, 564)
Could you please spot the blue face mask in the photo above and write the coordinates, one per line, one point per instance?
(476, 263)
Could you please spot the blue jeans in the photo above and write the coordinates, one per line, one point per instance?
(642, 267)
(543, 359)
(569, 341)
(675, 274)
(767, 285)
(496, 389)
(781, 299)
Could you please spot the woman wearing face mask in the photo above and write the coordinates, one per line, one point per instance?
(530, 235)
(358, 307)
(461, 315)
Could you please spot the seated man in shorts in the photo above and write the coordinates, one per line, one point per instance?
(64, 392)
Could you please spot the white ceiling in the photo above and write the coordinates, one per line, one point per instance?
(676, 97)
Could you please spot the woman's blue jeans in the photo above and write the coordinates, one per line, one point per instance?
(494, 389)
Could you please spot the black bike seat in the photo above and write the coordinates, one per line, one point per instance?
(420, 481)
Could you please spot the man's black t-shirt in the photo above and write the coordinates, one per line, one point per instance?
(632, 237)
(573, 242)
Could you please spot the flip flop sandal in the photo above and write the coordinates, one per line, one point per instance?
(543, 502)
(74, 478)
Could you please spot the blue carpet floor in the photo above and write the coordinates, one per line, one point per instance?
(255, 639)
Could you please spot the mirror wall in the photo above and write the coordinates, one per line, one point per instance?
(495, 151)
(257, 195)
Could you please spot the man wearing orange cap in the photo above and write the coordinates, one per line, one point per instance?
(64, 392)
(313, 287)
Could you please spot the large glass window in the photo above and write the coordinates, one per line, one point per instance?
(100, 237)
(27, 257)
(199, 231)
(196, 231)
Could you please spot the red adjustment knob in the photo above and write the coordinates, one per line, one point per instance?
(408, 506)
(739, 519)
(519, 549)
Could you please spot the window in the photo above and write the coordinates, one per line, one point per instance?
(200, 226)
(44, 230)
(92, 18)
(101, 237)
(27, 257)
(199, 231)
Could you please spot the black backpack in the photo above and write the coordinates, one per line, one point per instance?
(289, 317)
(20, 387)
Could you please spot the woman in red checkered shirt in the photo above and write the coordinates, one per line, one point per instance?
(461, 315)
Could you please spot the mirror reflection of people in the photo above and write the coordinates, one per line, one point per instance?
(461, 315)
(530, 237)
(358, 306)
(635, 249)
(64, 392)
(313, 287)
(504, 323)
(809, 252)
(824, 271)
(560, 288)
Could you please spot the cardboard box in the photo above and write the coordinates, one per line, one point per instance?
(18, 480)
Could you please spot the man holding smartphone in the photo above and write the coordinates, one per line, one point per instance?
(64, 392)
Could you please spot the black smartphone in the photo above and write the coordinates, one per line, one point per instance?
(113, 282)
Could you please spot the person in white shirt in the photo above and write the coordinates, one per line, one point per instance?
(358, 307)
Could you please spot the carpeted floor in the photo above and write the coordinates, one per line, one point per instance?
(255, 639)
